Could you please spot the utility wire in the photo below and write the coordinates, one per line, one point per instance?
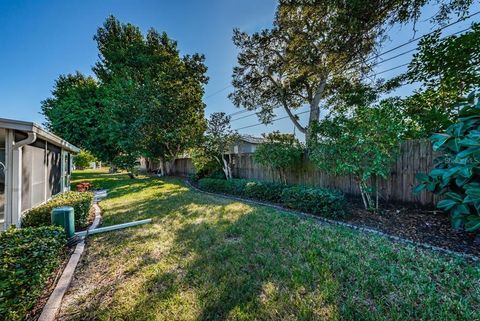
(238, 112)
(376, 64)
(273, 120)
(420, 37)
(219, 91)
(389, 50)
(246, 116)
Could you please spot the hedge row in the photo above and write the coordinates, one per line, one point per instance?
(28, 257)
(41, 215)
(319, 201)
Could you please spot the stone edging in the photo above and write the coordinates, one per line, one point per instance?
(323, 220)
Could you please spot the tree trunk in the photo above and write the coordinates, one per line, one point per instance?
(169, 167)
(362, 193)
(314, 116)
(226, 168)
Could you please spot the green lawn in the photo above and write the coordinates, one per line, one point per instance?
(209, 258)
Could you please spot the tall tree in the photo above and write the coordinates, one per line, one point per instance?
(147, 99)
(154, 96)
(76, 112)
(314, 43)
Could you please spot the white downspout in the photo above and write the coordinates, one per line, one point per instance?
(17, 177)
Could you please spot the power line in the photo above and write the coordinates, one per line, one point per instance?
(420, 37)
(238, 112)
(246, 116)
(409, 51)
(219, 91)
(376, 64)
(273, 120)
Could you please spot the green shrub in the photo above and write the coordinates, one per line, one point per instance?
(83, 159)
(266, 191)
(221, 185)
(80, 201)
(318, 201)
(28, 257)
(456, 176)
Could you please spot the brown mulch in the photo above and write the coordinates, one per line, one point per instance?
(420, 225)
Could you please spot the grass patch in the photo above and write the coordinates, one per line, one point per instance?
(209, 258)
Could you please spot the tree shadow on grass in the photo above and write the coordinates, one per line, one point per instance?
(241, 269)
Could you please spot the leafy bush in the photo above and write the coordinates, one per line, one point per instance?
(364, 145)
(317, 201)
(83, 159)
(41, 215)
(203, 163)
(233, 186)
(279, 152)
(266, 191)
(313, 200)
(28, 257)
(457, 172)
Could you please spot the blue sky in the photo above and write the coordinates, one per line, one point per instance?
(41, 39)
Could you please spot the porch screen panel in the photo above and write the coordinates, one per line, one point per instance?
(54, 170)
(33, 174)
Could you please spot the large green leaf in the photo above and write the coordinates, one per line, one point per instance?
(450, 172)
(473, 192)
(461, 181)
(438, 140)
(446, 204)
(468, 152)
(438, 172)
(470, 142)
(473, 223)
(454, 144)
(454, 196)
(419, 188)
(457, 222)
(460, 210)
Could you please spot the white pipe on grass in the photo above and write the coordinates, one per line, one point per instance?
(114, 227)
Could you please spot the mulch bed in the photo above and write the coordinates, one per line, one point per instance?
(416, 224)
(420, 225)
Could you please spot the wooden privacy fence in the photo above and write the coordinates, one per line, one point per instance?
(416, 156)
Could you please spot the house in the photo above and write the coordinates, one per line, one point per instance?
(246, 144)
(34, 165)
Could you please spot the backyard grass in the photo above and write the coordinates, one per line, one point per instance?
(209, 258)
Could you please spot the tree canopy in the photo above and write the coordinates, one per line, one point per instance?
(149, 97)
(313, 44)
(446, 69)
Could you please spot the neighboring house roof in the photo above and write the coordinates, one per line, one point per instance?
(252, 139)
(39, 131)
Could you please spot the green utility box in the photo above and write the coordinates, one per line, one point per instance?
(64, 216)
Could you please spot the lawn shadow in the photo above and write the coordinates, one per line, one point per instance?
(242, 268)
